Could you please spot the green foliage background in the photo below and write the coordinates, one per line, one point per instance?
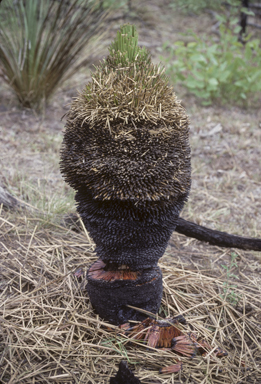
(217, 69)
(224, 71)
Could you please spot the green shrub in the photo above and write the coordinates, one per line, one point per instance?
(223, 71)
(40, 43)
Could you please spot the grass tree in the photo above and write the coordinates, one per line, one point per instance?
(126, 153)
(41, 42)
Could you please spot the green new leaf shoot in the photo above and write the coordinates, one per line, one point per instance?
(124, 50)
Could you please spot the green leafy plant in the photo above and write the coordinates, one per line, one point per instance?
(224, 71)
(40, 44)
(229, 293)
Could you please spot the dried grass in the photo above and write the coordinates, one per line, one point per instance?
(50, 334)
(127, 95)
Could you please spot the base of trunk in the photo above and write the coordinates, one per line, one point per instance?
(112, 288)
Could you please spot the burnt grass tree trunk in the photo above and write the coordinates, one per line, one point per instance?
(126, 153)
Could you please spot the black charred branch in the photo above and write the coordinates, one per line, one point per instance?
(213, 237)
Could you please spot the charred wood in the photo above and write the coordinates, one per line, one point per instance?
(213, 237)
(243, 20)
(113, 288)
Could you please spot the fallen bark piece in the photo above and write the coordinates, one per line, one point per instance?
(168, 334)
(124, 375)
(171, 368)
(184, 346)
(112, 288)
(204, 347)
(157, 333)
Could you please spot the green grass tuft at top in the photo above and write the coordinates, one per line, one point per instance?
(41, 42)
(125, 50)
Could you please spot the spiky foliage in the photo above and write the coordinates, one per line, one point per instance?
(126, 88)
(132, 115)
(124, 51)
(40, 43)
(126, 232)
(127, 154)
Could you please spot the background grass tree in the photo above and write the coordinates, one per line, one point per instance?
(41, 43)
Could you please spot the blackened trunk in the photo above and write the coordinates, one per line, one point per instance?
(129, 233)
(112, 289)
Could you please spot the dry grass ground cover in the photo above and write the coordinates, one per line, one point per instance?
(49, 332)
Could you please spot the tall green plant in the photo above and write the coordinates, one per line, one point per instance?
(125, 50)
(41, 42)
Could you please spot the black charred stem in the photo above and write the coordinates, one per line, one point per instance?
(127, 232)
